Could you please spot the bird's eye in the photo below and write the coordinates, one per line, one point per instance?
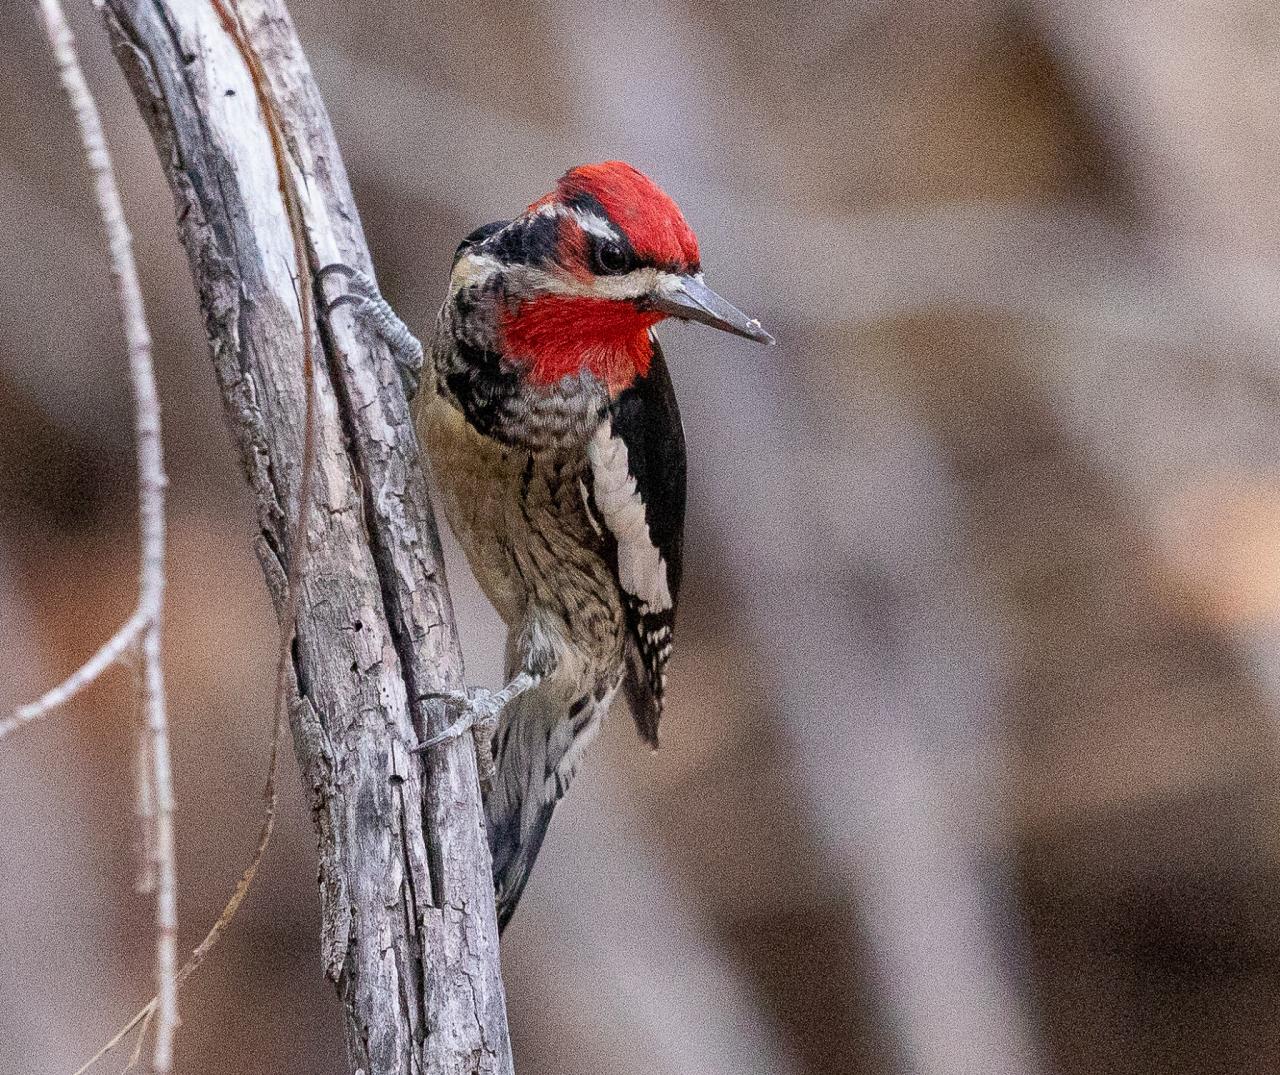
(610, 258)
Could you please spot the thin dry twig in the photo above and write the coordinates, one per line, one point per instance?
(111, 651)
(145, 1014)
(136, 1055)
(297, 544)
(146, 621)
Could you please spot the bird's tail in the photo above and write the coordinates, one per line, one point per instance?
(536, 752)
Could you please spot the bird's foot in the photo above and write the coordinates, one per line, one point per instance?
(372, 310)
(481, 708)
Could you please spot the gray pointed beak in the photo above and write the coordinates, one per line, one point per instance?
(689, 299)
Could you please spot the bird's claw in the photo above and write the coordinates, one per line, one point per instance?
(370, 308)
(481, 708)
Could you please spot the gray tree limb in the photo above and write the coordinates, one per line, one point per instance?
(409, 934)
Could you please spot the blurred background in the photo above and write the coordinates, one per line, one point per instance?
(971, 760)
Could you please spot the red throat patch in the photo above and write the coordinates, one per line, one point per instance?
(559, 335)
(643, 210)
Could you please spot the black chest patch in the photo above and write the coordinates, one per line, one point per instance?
(482, 384)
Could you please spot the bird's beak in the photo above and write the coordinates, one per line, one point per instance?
(689, 299)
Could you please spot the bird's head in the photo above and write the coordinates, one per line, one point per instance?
(586, 271)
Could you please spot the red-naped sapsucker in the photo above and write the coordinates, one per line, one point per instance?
(548, 415)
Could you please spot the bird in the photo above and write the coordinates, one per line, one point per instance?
(547, 413)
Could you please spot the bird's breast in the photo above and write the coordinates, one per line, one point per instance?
(522, 521)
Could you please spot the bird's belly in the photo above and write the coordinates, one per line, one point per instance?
(473, 480)
(523, 525)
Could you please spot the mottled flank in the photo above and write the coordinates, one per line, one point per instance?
(516, 482)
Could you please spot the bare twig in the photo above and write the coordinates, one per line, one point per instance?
(136, 1055)
(297, 538)
(110, 652)
(145, 1014)
(145, 624)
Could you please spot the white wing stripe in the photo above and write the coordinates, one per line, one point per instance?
(641, 568)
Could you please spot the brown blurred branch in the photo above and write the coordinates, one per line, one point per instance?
(409, 934)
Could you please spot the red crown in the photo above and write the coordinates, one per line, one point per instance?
(644, 211)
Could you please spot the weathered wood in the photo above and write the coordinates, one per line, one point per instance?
(409, 934)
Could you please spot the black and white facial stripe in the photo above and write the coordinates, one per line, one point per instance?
(529, 251)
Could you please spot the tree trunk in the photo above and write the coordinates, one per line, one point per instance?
(409, 934)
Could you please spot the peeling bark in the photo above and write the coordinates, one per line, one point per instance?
(409, 934)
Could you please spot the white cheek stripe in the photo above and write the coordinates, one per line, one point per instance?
(591, 223)
(476, 268)
(529, 279)
(641, 569)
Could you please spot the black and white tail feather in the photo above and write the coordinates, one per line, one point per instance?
(537, 750)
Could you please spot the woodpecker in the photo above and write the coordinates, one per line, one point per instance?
(548, 416)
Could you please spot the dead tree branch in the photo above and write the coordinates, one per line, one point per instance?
(409, 934)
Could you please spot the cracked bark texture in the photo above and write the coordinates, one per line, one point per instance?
(409, 935)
